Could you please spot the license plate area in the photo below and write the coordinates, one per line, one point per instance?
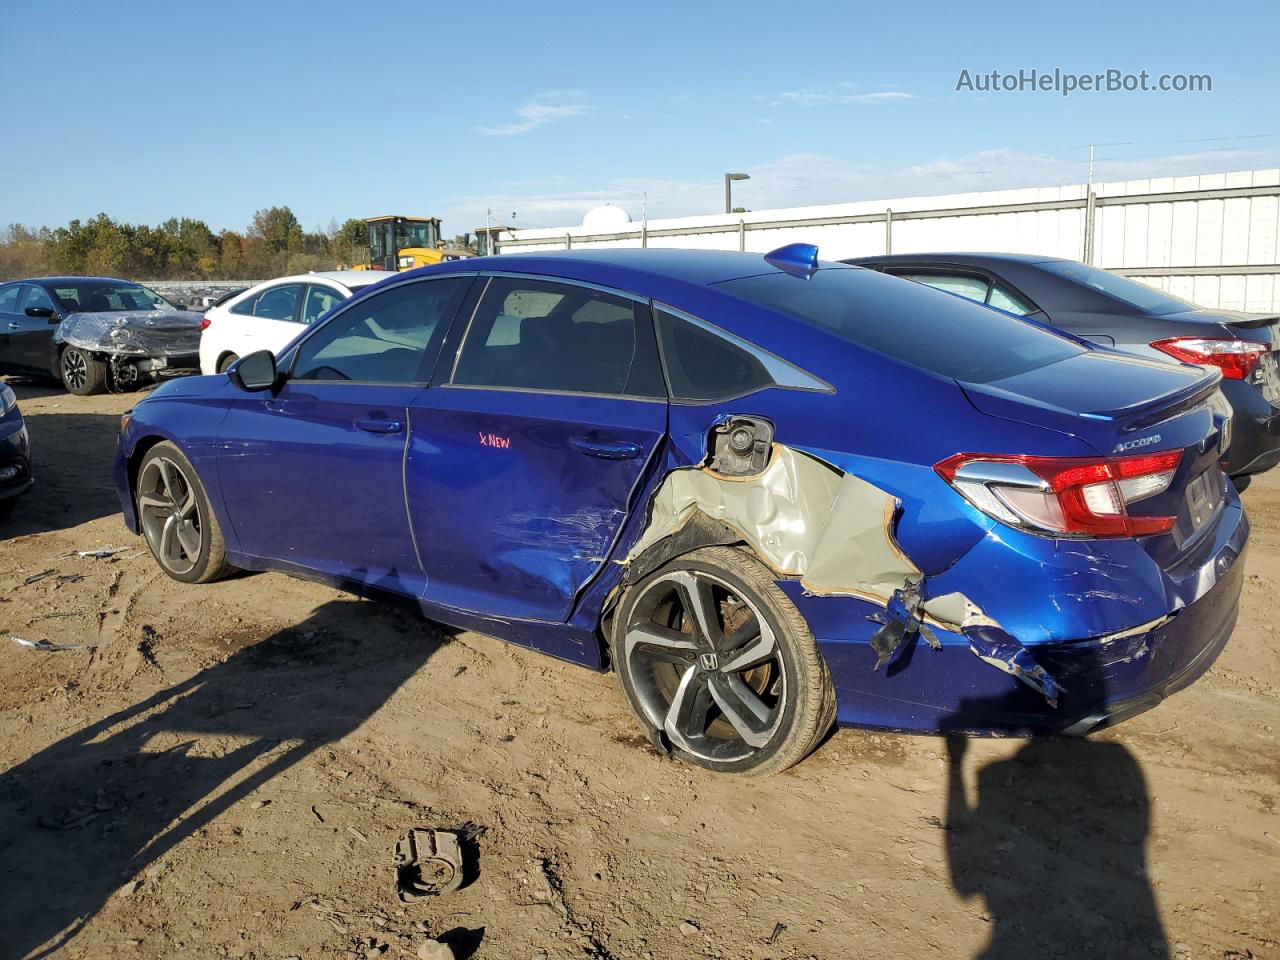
(1200, 504)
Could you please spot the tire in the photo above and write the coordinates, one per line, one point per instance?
(81, 373)
(759, 718)
(226, 361)
(177, 521)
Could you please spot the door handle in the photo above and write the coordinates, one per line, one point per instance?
(379, 425)
(14, 326)
(606, 449)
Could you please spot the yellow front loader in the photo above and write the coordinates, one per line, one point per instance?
(403, 243)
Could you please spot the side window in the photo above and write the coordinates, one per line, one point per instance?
(9, 298)
(392, 337)
(543, 335)
(245, 306)
(704, 365)
(971, 288)
(1005, 299)
(320, 300)
(33, 296)
(278, 303)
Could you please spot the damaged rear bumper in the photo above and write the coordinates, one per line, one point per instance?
(1103, 679)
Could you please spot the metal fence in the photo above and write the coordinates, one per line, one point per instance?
(1211, 238)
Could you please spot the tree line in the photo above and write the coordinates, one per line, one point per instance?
(274, 244)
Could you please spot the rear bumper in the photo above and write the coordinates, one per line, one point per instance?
(1106, 678)
(1255, 436)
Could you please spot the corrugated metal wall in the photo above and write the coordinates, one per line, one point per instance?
(1211, 239)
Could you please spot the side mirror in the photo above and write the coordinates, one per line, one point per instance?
(254, 372)
(46, 312)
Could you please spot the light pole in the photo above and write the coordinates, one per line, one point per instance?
(728, 189)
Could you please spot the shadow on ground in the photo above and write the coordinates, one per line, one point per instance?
(1056, 842)
(80, 818)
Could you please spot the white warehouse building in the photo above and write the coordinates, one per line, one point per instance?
(1211, 239)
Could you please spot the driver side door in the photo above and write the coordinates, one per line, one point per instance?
(312, 473)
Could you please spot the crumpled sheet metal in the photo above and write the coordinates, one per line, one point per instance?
(803, 517)
(135, 333)
(833, 531)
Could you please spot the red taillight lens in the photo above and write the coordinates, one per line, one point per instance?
(1235, 358)
(204, 323)
(1067, 496)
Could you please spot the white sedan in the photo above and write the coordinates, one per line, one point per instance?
(270, 315)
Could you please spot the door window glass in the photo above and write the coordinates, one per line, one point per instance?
(542, 335)
(971, 288)
(392, 337)
(9, 298)
(33, 296)
(278, 303)
(245, 307)
(320, 300)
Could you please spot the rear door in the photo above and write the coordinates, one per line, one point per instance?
(523, 463)
(312, 475)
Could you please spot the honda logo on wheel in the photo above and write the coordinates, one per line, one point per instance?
(709, 661)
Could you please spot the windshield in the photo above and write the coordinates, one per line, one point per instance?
(910, 322)
(96, 296)
(417, 235)
(1121, 288)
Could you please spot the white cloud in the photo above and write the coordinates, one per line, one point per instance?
(539, 111)
(812, 97)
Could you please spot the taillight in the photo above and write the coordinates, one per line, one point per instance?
(1235, 358)
(1064, 496)
(204, 323)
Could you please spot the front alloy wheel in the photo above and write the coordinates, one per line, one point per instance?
(176, 519)
(714, 656)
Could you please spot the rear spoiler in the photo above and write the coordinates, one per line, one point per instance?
(1253, 323)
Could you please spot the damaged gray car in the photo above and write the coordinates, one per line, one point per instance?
(95, 333)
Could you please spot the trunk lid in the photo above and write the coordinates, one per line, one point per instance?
(1125, 406)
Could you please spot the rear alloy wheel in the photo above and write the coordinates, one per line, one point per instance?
(226, 362)
(711, 653)
(81, 373)
(179, 526)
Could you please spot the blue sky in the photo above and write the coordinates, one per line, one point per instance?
(213, 110)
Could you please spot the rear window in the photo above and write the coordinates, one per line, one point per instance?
(910, 322)
(1121, 288)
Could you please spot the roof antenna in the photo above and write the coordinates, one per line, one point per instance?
(797, 259)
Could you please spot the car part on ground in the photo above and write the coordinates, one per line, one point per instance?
(428, 863)
(555, 448)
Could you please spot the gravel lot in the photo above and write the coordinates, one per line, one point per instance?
(223, 771)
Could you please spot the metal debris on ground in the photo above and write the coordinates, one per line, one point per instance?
(46, 646)
(428, 863)
(37, 577)
(104, 552)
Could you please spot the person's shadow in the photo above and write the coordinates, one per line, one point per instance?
(82, 817)
(1056, 843)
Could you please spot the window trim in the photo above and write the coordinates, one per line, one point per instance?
(635, 298)
(315, 328)
(767, 358)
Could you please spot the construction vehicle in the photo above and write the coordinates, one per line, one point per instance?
(403, 243)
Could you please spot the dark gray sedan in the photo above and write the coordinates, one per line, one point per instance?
(1118, 312)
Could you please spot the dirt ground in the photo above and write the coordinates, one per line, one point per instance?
(223, 771)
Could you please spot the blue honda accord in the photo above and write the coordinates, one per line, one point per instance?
(770, 493)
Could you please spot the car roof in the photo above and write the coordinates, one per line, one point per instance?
(640, 270)
(76, 280)
(957, 259)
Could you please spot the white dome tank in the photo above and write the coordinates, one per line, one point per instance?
(606, 217)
